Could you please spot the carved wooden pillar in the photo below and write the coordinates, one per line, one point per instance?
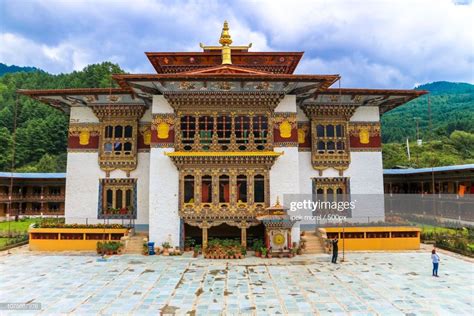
(243, 234)
(215, 187)
(204, 235)
(233, 187)
(197, 187)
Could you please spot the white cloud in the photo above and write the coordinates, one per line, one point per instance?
(372, 43)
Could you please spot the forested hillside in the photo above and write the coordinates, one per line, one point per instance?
(450, 138)
(41, 136)
(5, 69)
(452, 108)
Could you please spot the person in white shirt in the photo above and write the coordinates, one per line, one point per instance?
(435, 259)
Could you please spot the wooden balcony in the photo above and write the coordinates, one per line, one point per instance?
(221, 210)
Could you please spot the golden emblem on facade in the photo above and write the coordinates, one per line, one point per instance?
(364, 135)
(285, 129)
(84, 137)
(147, 137)
(163, 129)
(302, 134)
(279, 239)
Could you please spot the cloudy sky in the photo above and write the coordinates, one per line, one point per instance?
(371, 43)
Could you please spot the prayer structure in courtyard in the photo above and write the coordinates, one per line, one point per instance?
(204, 147)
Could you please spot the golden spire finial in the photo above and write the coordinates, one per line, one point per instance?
(225, 40)
(277, 204)
(225, 36)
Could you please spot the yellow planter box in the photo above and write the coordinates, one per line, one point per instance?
(375, 238)
(64, 239)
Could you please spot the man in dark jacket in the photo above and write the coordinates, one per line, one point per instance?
(334, 250)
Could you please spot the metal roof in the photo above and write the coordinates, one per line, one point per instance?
(424, 170)
(19, 175)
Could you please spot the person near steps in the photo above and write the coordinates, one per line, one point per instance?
(334, 250)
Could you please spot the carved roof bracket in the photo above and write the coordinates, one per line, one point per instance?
(329, 111)
(127, 111)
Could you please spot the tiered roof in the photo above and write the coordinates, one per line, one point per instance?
(222, 70)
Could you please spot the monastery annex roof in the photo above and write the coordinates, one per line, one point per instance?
(63, 99)
(385, 99)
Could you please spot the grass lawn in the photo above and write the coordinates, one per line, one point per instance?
(20, 226)
(3, 242)
(438, 229)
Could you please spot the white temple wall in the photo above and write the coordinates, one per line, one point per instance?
(82, 115)
(164, 189)
(163, 198)
(284, 173)
(366, 114)
(82, 187)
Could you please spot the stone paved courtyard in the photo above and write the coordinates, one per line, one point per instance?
(367, 284)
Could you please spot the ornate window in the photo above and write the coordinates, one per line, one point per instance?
(206, 186)
(223, 192)
(241, 188)
(189, 189)
(118, 140)
(242, 130)
(188, 129)
(260, 129)
(224, 130)
(259, 188)
(332, 190)
(221, 132)
(224, 189)
(330, 135)
(330, 139)
(118, 198)
(206, 130)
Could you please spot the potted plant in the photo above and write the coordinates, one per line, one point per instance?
(293, 252)
(264, 252)
(166, 246)
(257, 247)
(189, 243)
(196, 251)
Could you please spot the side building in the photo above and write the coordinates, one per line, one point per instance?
(32, 194)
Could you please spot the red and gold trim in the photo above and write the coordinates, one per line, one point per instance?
(285, 132)
(83, 137)
(162, 131)
(304, 136)
(365, 136)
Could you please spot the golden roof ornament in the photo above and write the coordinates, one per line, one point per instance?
(225, 40)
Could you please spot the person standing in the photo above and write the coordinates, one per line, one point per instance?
(334, 250)
(435, 259)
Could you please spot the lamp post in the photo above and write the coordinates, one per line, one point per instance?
(8, 221)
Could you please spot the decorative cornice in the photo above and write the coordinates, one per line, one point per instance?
(220, 100)
(328, 111)
(128, 111)
(223, 158)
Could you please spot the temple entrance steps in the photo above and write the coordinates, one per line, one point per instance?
(313, 243)
(134, 243)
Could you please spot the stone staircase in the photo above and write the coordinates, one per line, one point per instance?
(134, 244)
(314, 243)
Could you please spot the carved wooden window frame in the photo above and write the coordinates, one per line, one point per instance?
(125, 159)
(338, 158)
(115, 186)
(215, 208)
(221, 138)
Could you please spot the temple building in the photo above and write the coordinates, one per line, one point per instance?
(204, 146)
